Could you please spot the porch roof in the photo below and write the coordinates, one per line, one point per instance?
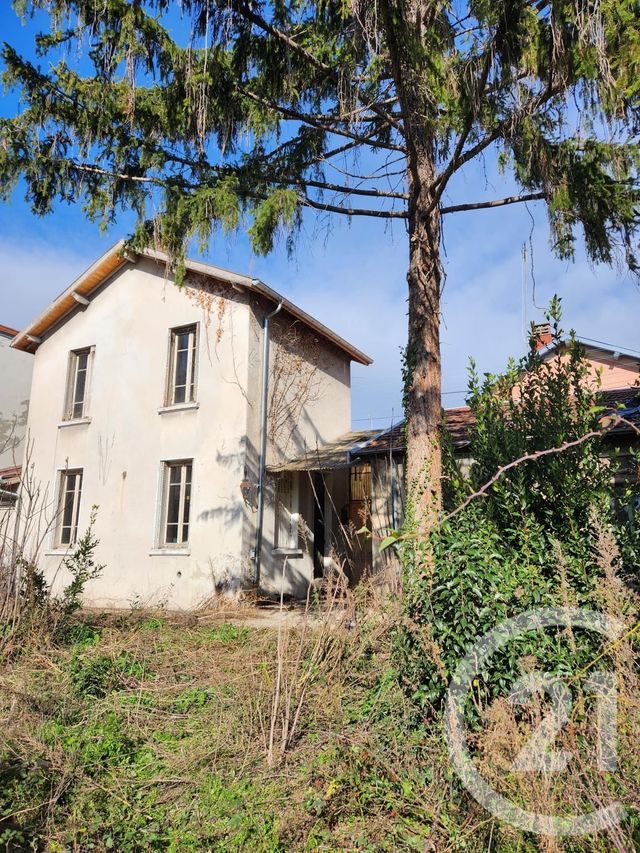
(334, 454)
(10, 476)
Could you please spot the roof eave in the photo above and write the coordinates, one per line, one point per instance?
(555, 345)
(29, 339)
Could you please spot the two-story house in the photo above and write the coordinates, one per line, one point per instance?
(167, 408)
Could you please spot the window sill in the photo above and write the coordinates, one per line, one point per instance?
(61, 551)
(287, 552)
(179, 407)
(74, 422)
(170, 552)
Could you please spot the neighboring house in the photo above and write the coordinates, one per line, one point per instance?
(15, 385)
(147, 403)
(611, 367)
(376, 461)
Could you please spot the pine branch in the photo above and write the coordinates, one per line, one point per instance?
(531, 106)
(339, 188)
(306, 118)
(251, 15)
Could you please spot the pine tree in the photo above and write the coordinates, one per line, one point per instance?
(241, 113)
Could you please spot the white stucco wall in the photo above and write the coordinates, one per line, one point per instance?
(122, 446)
(309, 405)
(15, 384)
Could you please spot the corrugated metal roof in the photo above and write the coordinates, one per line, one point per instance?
(335, 454)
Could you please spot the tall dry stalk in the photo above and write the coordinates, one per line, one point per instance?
(305, 653)
(23, 531)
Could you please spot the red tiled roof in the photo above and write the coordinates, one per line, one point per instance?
(460, 422)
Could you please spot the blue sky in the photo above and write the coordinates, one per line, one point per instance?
(352, 276)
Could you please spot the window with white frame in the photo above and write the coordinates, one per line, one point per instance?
(287, 516)
(69, 497)
(183, 348)
(176, 507)
(77, 384)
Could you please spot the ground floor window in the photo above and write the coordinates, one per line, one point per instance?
(176, 502)
(70, 495)
(287, 521)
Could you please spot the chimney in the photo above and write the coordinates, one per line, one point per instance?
(542, 335)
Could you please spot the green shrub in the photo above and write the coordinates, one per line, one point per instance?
(227, 633)
(97, 676)
(531, 540)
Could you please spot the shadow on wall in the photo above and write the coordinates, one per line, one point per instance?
(12, 431)
(243, 465)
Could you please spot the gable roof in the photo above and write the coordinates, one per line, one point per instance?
(116, 257)
(609, 349)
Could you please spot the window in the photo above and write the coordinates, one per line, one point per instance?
(77, 384)
(181, 386)
(69, 507)
(8, 494)
(176, 502)
(287, 516)
(360, 495)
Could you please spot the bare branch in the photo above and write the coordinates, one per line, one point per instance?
(498, 202)
(610, 423)
(351, 211)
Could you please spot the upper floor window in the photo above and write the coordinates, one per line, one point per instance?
(176, 503)
(69, 495)
(77, 384)
(181, 385)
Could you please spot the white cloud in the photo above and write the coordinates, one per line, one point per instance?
(355, 282)
(32, 274)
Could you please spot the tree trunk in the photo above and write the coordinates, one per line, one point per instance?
(423, 381)
(405, 24)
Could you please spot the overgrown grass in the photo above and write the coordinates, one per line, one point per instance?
(154, 736)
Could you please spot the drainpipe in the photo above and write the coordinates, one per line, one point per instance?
(263, 441)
